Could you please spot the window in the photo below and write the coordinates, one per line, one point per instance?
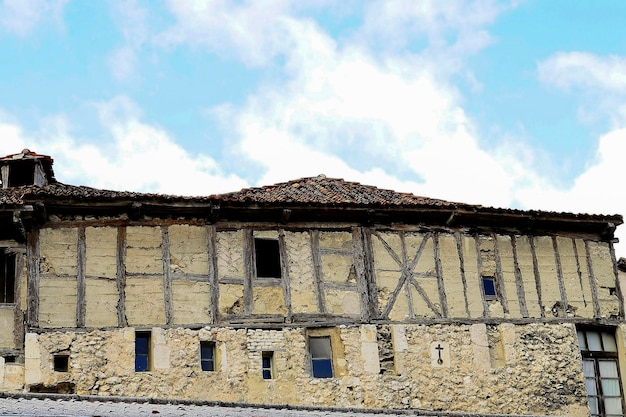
(267, 258)
(207, 356)
(600, 367)
(321, 356)
(7, 277)
(22, 173)
(267, 365)
(142, 351)
(9, 359)
(489, 288)
(61, 363)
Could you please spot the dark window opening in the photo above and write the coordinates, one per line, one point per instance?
(489, 288)
(22, 174)
(267, 365)
(61, 363)
(267, 258)
(7, 277)
(601, 370)
(142, 351)
(321, 356)
(207, 356)
(10, 359)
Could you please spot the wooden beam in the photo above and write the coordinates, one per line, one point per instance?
(284, 271)
(80, 278)
(579, 271)
(317, 270)
(519, 282)
(559, 276)
(408, 273)
(249, 267)
(358, 260)
(499, 277)
(370, 274)
(214, 286)
(32, 254)
(120, 278)
(440, 282)
(167, 279)
(479, 265)
(618, 289)
(533, 251)
(459, 250)
(593, 284)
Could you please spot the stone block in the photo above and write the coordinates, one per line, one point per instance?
(480, 346)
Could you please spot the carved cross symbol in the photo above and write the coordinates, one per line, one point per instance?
(439, 349)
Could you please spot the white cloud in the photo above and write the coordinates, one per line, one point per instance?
(135, 156)
(123, 62)
(255, 32)
(568, 70)
(132, 21)
(23, 16)
(343, 103)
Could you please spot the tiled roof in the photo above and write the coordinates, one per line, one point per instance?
(26, 154)
(59, 191)
(317, 191)
(321, 190)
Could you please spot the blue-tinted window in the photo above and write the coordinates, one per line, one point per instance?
(321, 356)
(207, 356)
(489, 288)
(267, 360)
(142, 351)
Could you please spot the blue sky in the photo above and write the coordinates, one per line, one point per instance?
(509, 104)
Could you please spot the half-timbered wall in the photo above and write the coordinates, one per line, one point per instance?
(181, 274)
(408, 321)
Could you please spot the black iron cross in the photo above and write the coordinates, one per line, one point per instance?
(439, 349)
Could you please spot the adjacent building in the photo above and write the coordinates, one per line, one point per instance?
(316, 291)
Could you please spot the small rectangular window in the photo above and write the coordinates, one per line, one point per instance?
(207, 356)
(142, 351)
(267, 365)
(7, 277)
(267, 257)
(9, 359)
(321, 356)
(61, 363)
(489, 288)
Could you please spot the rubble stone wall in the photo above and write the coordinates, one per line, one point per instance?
(436, 367)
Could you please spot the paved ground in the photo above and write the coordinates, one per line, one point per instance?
(75, 408)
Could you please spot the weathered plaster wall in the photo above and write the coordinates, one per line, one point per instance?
(58, 269)
(7, 321)
(155, 275)
(523, 369)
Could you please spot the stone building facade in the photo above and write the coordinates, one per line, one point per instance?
(316, 292)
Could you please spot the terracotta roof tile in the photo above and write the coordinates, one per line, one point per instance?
(314, 191)
(321, 190)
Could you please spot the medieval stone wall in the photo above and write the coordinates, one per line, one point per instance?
(520, 369)
(405, 310)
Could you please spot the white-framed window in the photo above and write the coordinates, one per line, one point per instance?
(601, 369)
